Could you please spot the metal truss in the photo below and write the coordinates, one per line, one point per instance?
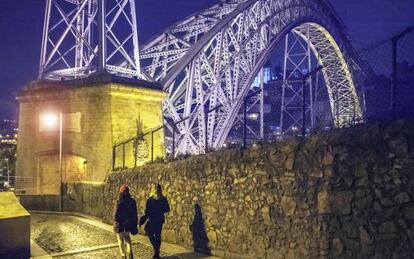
(82, 37)
(208, 61)
(344, 100)
(297, 62)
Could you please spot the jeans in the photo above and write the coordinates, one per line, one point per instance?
(154, 235)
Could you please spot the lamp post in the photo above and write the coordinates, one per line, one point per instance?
(60, 161)
(49, 122)
(8, 171)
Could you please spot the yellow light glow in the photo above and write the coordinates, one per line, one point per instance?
(49, 121)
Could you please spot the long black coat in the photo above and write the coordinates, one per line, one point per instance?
(155, 209)
(154, 214)
(125, 215)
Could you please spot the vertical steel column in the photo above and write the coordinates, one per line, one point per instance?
(79, 41)
(285, 83)
(45, 38)
(309, 79)
(90, 23)
(102, 36)
(261, 104)
(298, 57)
(306, 79)
(304, 106)
(135, 39)
(315, 98)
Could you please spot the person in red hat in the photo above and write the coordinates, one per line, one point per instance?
(125, 221)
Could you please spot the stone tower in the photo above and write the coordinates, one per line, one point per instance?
(97, 113)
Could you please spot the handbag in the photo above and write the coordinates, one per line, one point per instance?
(143, 219)
(134, 230)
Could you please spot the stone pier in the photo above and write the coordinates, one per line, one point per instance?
(97, 113)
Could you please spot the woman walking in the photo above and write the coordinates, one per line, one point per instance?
(125, 221)
(155, 209)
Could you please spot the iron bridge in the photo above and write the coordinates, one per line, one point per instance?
(208, 61)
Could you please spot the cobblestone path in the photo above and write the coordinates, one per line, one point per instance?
(69, 237)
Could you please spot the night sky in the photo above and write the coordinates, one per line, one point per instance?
(21, 22)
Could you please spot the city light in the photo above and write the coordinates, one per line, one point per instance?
(253, 116)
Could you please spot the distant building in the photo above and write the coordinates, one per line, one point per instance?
(8, 131)
(272, 103)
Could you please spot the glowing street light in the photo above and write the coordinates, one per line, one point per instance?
(8, 171)
(50, 122)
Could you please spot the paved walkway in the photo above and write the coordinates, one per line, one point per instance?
(55, 235)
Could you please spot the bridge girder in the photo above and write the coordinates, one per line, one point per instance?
(208, 61)
(84, 37)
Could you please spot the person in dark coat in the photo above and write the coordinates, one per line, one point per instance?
(155, 209)
(125, 221)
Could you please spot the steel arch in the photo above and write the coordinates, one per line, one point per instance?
(208, 61)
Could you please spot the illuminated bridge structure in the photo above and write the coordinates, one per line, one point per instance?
(208, 61)
(211, 58)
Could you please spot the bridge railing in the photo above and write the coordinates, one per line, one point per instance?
(136, 151)
(148, 147)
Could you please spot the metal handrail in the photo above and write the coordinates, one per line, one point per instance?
(135, 140)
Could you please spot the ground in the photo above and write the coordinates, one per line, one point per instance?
(69, 236)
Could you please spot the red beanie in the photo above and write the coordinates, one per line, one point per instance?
(124, 188)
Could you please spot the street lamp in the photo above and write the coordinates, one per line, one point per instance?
(49, 122)
(8, 171)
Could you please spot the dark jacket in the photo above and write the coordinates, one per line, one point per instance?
(155, 209)
(125, 215)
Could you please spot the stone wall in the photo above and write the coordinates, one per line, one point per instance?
(15, 228)
(40, 202)
(84, 197)
(344, 194)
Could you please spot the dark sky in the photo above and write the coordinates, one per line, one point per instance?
(368, 21)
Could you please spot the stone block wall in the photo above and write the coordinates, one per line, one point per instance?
(40, 202)
(343, 194)
(108, 112)
(84, 197)
(15, 228)
(93, 143)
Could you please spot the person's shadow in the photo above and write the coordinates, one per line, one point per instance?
(200, 239)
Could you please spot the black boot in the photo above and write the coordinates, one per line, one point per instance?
(131, 256)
